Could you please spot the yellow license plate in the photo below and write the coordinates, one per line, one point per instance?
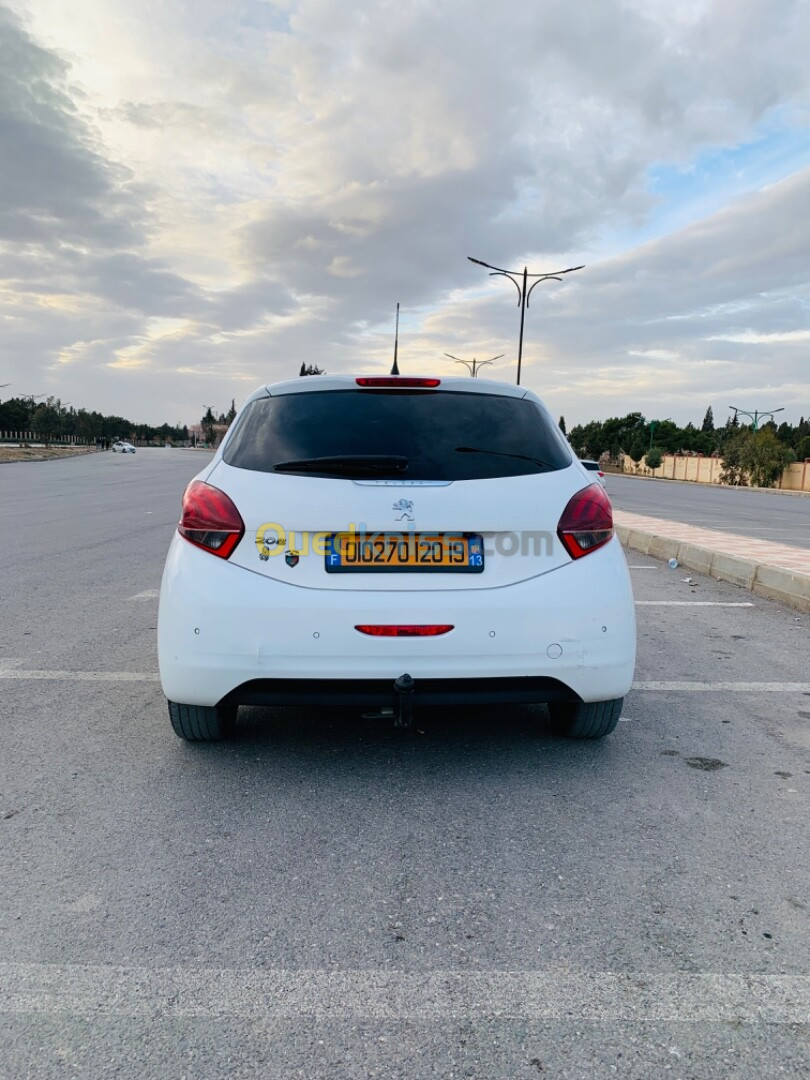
(414, 552)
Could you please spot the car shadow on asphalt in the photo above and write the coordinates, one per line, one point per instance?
(486, 732)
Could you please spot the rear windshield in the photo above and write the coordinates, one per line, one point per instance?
(441, 436)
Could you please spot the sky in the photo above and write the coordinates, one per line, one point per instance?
(196, 196)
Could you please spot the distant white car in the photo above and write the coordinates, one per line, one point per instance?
(387, 541)
(123, 448)
(594, 466)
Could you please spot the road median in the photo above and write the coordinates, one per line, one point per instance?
(775, 571)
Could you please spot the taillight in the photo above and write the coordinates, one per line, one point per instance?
(210, 520)
(407, 630)
(587, 521)
(398, 381)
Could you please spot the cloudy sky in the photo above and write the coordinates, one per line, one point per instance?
(198, 195)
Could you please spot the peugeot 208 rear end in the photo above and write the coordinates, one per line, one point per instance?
(390, 541)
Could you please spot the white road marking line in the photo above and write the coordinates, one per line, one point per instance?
(147, 594)
(693, 603)
(12, 661)
(737, 687)
(228, 994)
(82, 676)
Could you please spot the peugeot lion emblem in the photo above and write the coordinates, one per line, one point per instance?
(405, 508)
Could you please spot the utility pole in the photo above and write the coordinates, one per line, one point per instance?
(471, 364)
(756, 415)
(521, 283)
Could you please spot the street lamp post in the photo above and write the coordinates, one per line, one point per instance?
(654, 424)
(756, 415)
(473, 365)
(521, 283)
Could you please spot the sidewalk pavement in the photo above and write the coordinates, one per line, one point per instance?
(776, 571)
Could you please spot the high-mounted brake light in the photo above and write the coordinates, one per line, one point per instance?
(398, 381)
(404, 631)
(587, 521)
(210, 520)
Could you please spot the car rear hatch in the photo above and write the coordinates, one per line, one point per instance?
(485, 464)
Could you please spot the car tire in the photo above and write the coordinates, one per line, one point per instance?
(585, 719)
(202, 723)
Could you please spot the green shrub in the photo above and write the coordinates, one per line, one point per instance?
(654, 457)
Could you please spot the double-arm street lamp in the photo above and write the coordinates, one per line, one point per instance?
(521, 283)
(756, 416)
(473, 365)
(654, 424)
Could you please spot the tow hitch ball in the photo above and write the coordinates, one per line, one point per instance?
(403, 696)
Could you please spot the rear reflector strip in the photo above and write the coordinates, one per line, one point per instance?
(397, 381)
(404, 631)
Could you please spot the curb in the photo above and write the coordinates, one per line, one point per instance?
(706, 484)
(772, 582)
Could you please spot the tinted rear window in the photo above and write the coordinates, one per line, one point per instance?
(503, 436)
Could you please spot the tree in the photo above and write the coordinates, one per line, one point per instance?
(636, 451)
(733, 471)
(764, 458)
(231, 414)
(654, 457)
(311, 369)
(45, 419)
(562, 425)
(207, 425)
(708, 420)
(15, 415)
(803, 448)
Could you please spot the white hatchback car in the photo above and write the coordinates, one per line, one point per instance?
(594, 467)
(385, 541)
(123, 447)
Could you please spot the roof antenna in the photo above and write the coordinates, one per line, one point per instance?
(395, 365)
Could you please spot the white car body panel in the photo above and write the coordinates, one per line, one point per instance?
(534, 613)
(314, 505)
(220, 627)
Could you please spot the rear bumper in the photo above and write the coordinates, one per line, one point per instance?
(224, 631)
(381, 692)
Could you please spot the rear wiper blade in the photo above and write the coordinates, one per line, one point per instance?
(350, 464)
(502, 453)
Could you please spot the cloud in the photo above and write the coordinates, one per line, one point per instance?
(751, 337)
(55, 185)
(211, 192)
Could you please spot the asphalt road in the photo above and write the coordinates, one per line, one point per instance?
(324, 897)
(762, 515)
